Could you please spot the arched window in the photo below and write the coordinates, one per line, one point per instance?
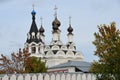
(39, 48)
(47, 48)
(33, 48)
(60, 54)
(70, 54)
(28, 35)
(55, 47)
(49, 54)
(33, 35)
(71, 47)
(64, 47)
(38, 35)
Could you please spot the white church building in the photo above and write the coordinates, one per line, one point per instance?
(56, 52)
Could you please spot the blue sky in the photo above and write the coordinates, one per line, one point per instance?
(15, 21)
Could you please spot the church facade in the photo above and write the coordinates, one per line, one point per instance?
(56, 52)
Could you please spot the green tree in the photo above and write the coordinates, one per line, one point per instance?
(36, 66)
(107, 43)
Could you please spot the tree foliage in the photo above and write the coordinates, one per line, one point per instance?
(107, 43)
(37, 66)
(21, 63)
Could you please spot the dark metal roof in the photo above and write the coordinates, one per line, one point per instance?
(81, 65)
(33, 29)
(56, 23)
(41, 30)
(33, 40)
(70, 29)
(33, 25)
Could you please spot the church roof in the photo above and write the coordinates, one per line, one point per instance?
(33, 30)
(70, 29)
(33, 40)
(33, 25)
(41, 30)
(81, 65)
(56, 23)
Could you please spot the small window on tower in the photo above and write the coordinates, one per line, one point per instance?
(39, 48)
(33, 35)
(33, 48)
(28, 35)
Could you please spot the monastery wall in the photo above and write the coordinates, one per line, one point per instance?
(48, 76)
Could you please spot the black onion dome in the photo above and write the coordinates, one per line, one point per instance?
(55, 27)
(70, 29)
(41, 30)
(56, 23)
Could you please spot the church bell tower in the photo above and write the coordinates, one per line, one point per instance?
(34, 42)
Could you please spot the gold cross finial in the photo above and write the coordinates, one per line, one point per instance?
(55, 10)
